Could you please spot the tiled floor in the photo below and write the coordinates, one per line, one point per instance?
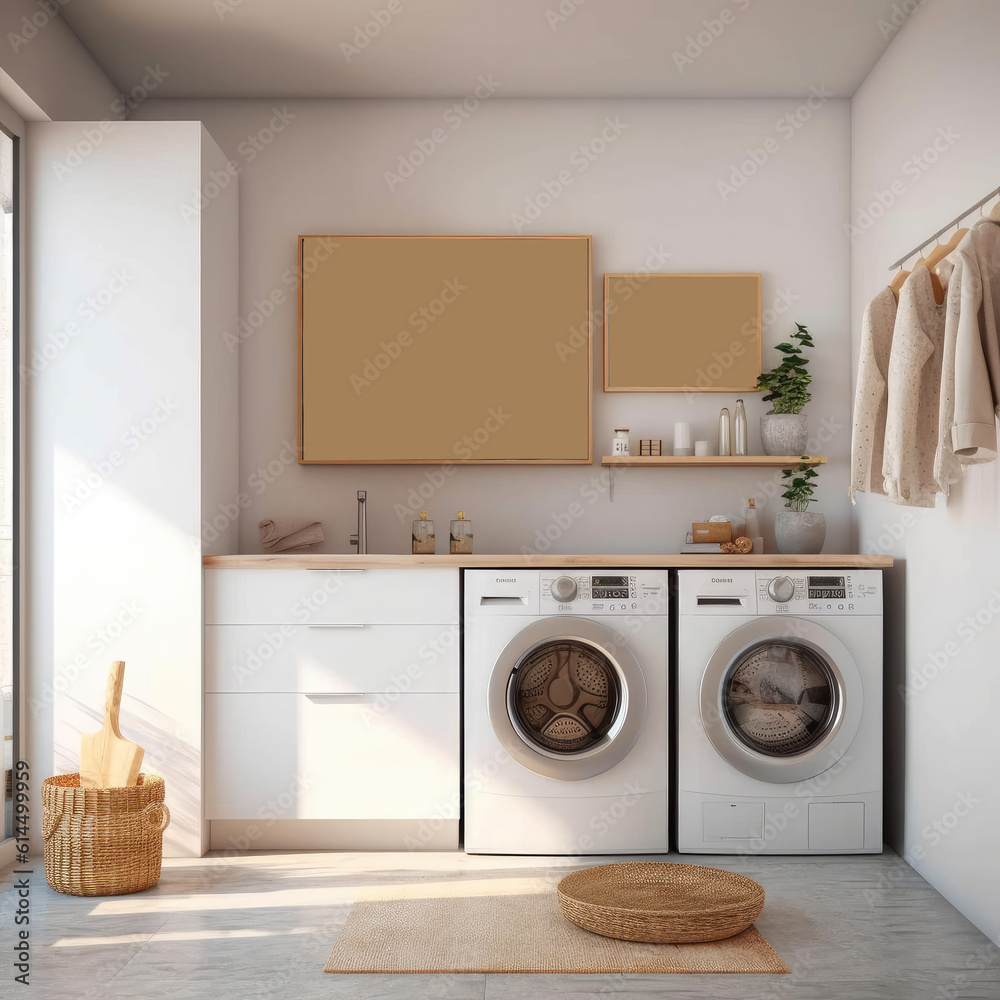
(259, 925)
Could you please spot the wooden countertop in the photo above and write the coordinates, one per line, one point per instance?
(663, 561)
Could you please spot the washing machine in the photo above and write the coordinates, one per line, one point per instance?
(779, 711)
(565, 683)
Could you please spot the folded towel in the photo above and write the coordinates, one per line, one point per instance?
(284, 535)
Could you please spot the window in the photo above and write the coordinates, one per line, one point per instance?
(8, 458)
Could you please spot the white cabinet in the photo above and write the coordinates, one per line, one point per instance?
(343, 721)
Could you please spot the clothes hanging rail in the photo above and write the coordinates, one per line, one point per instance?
(954, 222)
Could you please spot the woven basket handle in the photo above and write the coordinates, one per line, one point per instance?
(50, 823)
(160, 823)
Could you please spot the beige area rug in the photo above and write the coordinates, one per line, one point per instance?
(512, 925)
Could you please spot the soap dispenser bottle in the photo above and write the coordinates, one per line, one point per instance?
(461, 536)
(423, 536)
(752, 526)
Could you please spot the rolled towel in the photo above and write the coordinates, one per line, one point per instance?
(284, 534)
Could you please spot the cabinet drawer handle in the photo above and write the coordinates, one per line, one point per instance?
(338, 694)
(336, 625)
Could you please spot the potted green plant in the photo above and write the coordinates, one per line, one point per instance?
(797, 530)
(784, 429)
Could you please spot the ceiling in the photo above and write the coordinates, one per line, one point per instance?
(532, 48)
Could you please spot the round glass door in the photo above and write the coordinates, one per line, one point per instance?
(780, 698)
(565, 696)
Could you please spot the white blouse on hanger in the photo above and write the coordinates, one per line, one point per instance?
(870, 396)
(913, 392)
(972, 378)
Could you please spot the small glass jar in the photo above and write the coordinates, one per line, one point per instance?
(619, 446)
(461, 536)
(423, 536)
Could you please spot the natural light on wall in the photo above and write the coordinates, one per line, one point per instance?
(7, 480)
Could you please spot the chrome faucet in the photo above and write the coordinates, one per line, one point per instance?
(360, 539)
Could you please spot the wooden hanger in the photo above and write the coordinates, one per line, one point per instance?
(942, 250)
(897, 283)
(935, 280)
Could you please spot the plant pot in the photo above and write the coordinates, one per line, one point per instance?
(799, 532)
(784, 433)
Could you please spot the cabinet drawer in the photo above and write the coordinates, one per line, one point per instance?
(308, 597)
(320, 658)
(288, 756)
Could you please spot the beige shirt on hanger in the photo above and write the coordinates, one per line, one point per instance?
(971, 372)
(913, 392)
(868, 436)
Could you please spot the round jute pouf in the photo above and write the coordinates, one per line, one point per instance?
(103, 841)
(660, 903)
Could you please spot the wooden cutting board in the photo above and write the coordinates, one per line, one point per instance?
(107, 759)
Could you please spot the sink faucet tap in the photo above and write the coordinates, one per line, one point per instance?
(360, 539)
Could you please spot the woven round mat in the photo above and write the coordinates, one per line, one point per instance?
(660, 903)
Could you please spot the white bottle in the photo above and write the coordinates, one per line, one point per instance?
(724, 447)
(740, 420)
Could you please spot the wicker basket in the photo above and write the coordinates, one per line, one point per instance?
(660, 903)
(103, 841)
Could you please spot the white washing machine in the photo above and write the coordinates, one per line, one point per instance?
(779, 712)
(565, 694)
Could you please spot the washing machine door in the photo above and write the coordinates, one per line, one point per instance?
(781, 699)
(567, 698)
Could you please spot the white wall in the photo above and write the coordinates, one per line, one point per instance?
(117, 295)
(940, 73)
(654, 188)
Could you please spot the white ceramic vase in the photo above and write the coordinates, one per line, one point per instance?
(784, 433)
(799, 532)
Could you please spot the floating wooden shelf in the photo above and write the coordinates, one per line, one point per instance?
(708, 461)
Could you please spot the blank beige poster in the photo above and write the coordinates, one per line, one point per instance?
(445, 349)
(670, 332)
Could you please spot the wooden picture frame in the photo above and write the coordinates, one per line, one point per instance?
(473, 350)
(682, 332)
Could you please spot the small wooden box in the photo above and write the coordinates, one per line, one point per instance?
(650, 447)
(712, 531)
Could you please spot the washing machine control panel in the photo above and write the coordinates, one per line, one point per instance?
(612, 592)
(820, 592)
